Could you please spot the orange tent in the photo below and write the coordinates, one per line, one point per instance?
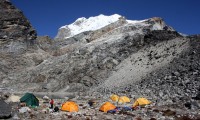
(69, 106)
(107, 106)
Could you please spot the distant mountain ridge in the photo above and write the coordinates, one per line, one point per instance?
(94, 23)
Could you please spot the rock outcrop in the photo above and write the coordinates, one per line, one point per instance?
(5, 110)
(18, 49)
(16, 33)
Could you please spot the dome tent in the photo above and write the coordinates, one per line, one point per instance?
(107, 106)
(124, 99)
(70, 106)
(30, 99)
(114, 97)
(141, 102)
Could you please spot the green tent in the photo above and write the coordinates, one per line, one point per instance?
(30, 99)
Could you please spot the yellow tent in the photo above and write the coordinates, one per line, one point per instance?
(107, 106)
(69, 106)
(114, 97)
(141, 102)
(124, 99)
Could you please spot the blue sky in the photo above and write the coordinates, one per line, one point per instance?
(46, 16)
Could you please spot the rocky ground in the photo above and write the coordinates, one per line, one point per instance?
(154, 111)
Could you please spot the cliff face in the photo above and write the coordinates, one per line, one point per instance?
(15, 30)
(17, 38)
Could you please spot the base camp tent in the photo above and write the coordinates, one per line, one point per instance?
(114, 97)
(30, 99)
(69, 106)
(141, 102)
(124, 99)
(107, 106)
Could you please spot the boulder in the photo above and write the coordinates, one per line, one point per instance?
(197, 97)
(24, 110)
(15, 117)
(5, 110)
(46, 98)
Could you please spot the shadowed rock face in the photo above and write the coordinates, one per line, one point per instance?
(5, 110)
(16, 37)
(15, 30)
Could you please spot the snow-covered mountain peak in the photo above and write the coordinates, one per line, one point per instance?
(98, 22)
(79, 21)
(92, 23)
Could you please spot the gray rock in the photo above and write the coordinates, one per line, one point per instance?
(195, 105)
(15, 29)
(15, 117)
(161, 94)
(176, 74)
(5, 110)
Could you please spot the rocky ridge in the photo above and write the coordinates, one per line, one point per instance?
(16, 33)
